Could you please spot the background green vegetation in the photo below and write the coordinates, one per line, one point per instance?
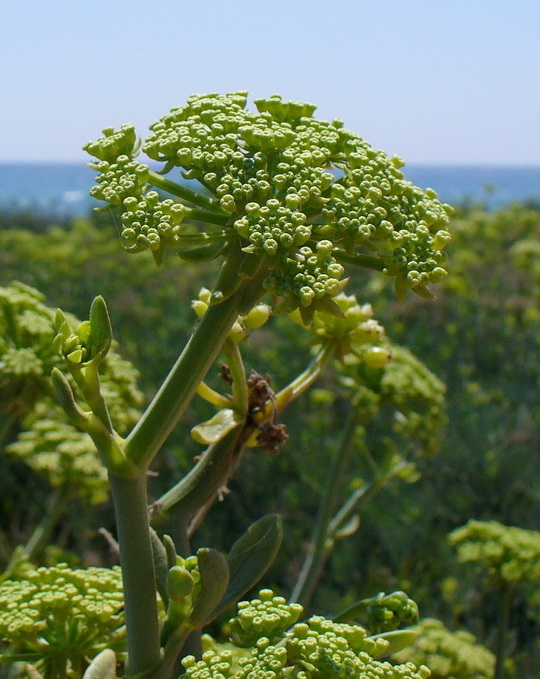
(481, 338)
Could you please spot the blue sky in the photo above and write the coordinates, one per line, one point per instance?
(435, 81)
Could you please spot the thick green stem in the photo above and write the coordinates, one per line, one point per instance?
(317, 553)
(131, 511)
(502, 628)
(189, 370)
(180, 191)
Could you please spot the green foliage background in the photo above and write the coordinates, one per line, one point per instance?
(481, 338)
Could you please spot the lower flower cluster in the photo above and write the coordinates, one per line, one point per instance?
(315, 649)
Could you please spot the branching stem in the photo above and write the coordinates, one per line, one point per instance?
(315, 558)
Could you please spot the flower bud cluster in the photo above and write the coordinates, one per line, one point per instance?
(289, 181)
(311, 274)
(355, 332)
(389, 611)
(318, 648)
(114, 143)
(506, 553)
(267, 616)
(183, 588)
(448, 654)
(150, 223)
(119, 180)
(58, 610)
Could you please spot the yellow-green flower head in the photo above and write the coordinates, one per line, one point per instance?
(449, 655)
(306, 195)
(505, 553)
(65, 616)
(62, 454)
(315, 649)
(267, 616)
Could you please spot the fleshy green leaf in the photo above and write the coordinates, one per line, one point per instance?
(161, 565)
(250, 557)
(216, 428)
(214, 572)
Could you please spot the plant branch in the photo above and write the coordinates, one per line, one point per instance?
(238, 374)
(301, 383)
(189, 370)
(180, 191)
(317, 552)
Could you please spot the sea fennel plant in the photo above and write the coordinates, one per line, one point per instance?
(287, 202)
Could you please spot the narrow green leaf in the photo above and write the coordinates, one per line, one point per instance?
(250, 557)
(100, 326)
(214, 572)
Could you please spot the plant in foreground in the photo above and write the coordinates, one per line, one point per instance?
(509, 557)
(288, 203)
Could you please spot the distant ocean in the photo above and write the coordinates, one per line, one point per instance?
(62, 188)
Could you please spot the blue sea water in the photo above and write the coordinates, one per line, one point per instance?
(62, 188)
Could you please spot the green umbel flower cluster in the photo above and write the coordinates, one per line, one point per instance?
(315, 649)
(506, 553)
(268, 616)
(409, 388)
(449, 655)
(26, 354)
(303, 194)
(62, 616)
(62, 454)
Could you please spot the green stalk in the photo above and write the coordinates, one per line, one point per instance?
(238, 374)
(301, 383)
(131, 512)
(190, 369)
(180, 191)
(207, 216)
(40, 537)
(212, 396)
(317, 552)
(505, 598)
(367, 491)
